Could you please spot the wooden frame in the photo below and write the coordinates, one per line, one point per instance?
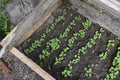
(102, 17)
(35, 19)
(25, 29)
(112, 6)
(31, 64)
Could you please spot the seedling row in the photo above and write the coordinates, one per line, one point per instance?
(72, 47)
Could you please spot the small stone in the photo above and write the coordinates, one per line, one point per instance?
(18, 11)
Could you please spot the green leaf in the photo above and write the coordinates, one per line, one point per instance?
(4, 1)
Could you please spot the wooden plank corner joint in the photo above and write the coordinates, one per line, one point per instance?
(38, 23)
(36, 18)
(31, 64)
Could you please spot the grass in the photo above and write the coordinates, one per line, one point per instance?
(4, 27)
(4, 1)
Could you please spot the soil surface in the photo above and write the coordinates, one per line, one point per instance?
(21, 72)
(91, 57)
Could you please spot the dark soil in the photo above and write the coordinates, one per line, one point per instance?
(91, 57)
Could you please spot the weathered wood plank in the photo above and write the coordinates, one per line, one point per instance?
(104, 19)
(6, 41)
(26, 24)
(117, 2)
(31, 64)
(111, 6)
(4, 67)
(38, 24)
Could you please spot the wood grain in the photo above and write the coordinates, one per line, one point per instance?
(38, 24)
(34, 19)
(104, 19)
(31, 64)
(4, 67)
(112, 6)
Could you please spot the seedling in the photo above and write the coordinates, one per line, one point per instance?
(115, 67)
(86, 24)
(71, 41)
(35, 45)
(88, 70)
(52, 45)
(76, 59)
(104, 55)
(71, 25)
(67, 72)
(89, 44)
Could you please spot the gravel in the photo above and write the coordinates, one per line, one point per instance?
(16, 11)
(20, 71)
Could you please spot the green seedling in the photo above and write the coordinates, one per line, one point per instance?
(76, 59)
(37, 44)
(88, 70)
(52, 45)
(115, 67)
(71, 25)
(67, 72)
(86, 24)
(71, 41)
(104, 55)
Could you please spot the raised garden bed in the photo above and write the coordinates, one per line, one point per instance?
(72, 47)
(68, 45)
